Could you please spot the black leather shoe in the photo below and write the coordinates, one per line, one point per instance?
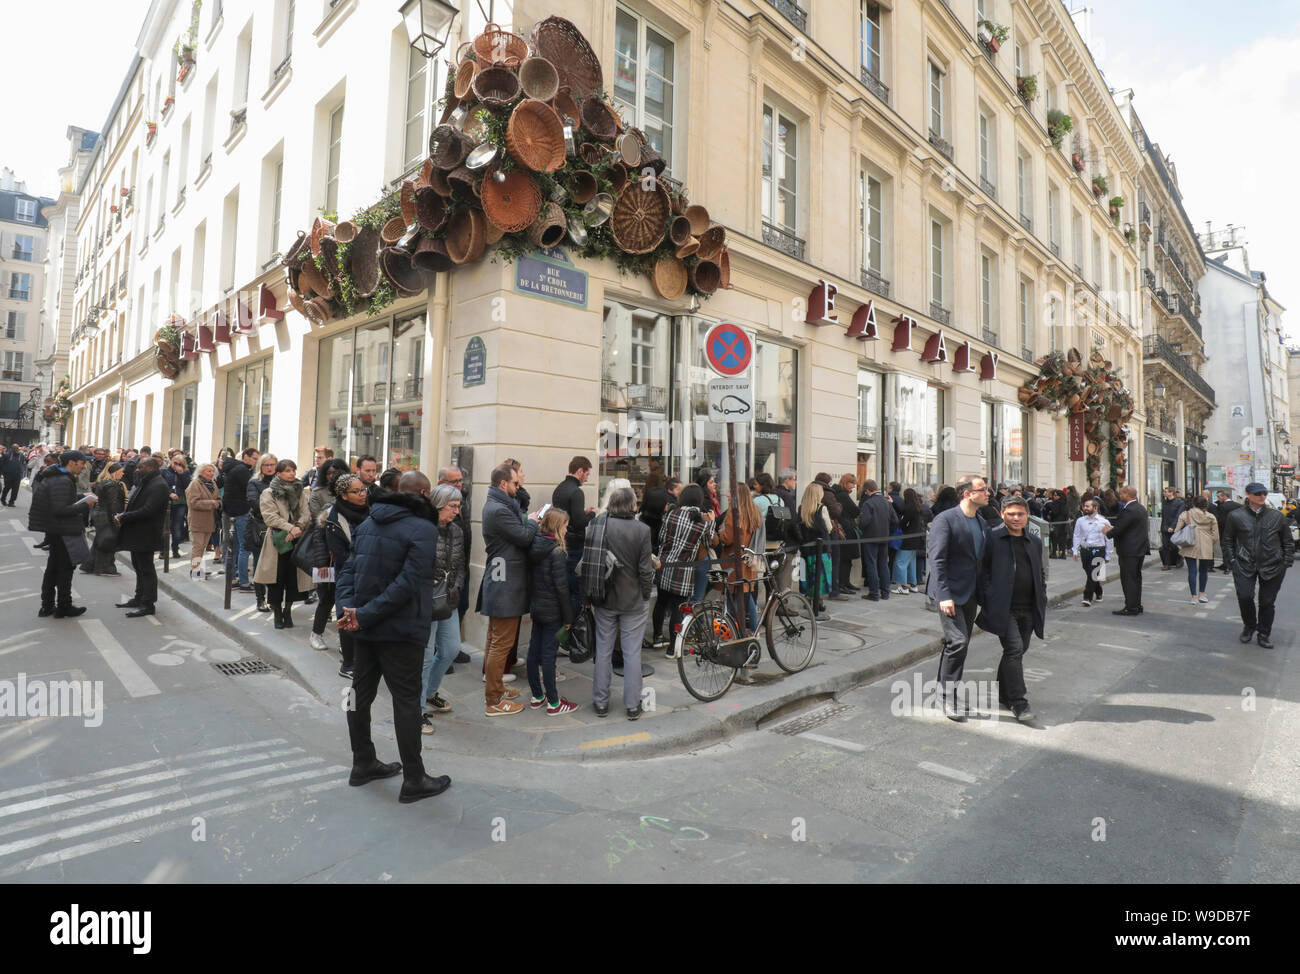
(363, 774)
(1126, 612)
(600, 711)
(634, 713)
(279, 619)
(953, 714)
(426, 787)
(1263, 640)
(288, 619)
(68, 611)
(1023, 713)
(1246, 634)
(46, 611)
(144, 610)
(130, 604)
(462, 658)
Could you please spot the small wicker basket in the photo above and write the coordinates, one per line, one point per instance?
(500, 48)
(430, 209)
(538, 78)
(535, 136)
(393, 231)
(513, 203)
(669, 277)
(431, 256)
(408, 202)
(496, 87)
(550, 227)
(599, 120)
(448, 147)
(464, 75)
(705, 276)
(465, 236)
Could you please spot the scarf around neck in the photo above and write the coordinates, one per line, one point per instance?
(290, 492)
(354, 514)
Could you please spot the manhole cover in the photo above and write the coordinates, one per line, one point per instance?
(842, 626)
(814, 718)
(243, 667)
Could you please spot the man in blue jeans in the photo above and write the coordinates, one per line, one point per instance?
(234, 504)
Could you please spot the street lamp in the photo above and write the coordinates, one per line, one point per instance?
(1159, 389)
(428, 24)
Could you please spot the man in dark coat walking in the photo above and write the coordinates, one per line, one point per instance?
(568, 497)
(1170, 508)
(503, 595)
(1132, 545)
(384, 595)
(140, 528)
(1221, 511)
(1014, 595)
(877, 518)
(235, 472)
(57, 506)
(12, 468)
(1257, 544)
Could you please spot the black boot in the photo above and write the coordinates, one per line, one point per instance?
(279, 616)
(288, 619)
(424, 787)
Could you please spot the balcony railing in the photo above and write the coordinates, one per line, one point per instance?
(1149, 277)
(21, 254)
(17, 295)
(281, 68)
(988, 188)
(989, 336)
(875, 283)
(1144, 214)
(942, 144)
(1026, 353)
(939, 313)
(413, 388)
(647, 397)
(866, 434)
(1156, 347)
(1055, 248)
(238, 119)
(1027, 223)
(878, 87)
(792, 12)
(121, 283)
(783, 240)
(11, 375)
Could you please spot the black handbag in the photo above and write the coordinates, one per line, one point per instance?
(442, 604)
(311, 551)
(105, 540)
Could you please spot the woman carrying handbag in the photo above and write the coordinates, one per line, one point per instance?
(203, 503)
(1195, 534)
(112, 501)
(283, 505)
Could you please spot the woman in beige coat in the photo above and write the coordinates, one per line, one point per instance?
(284, 508)
(203, 503)
(1200, 554)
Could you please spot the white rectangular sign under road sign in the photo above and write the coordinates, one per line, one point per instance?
(730, 401)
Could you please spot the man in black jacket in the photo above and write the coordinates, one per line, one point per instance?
(1014, 593)
(877, 518)
(139, 529)
(1221, 511)
(1170, 508)
(56, 510)
(1132, 545)
(1257, 544)
(785, 490)
(234, 504)
(12, 466)
(569, 497)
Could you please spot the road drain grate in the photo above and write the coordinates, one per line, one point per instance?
(814, 718)
(243, 667)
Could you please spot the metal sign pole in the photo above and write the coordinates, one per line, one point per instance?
(735, 597)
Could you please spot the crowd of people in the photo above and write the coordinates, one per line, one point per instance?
(386, 555)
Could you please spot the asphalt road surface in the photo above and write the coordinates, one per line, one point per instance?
(1164, 751)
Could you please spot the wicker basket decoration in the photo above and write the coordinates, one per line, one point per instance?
(465, 236)
(550, 227)
(312, 282)
(408, 201)
(669, 277)
(297, 251)
(448, 147)
(679, 231)
(464, 184)
(491, 232)
(500, 48)
(431, 256)
(363, 261)
(566, 107)
(295, 301)
(599, 120)
(640, 218)
(426, 174)
(496, 87)
(649, 154)
(618, 176)
(318, 312)
(329, 256)
(711, 241)
(535, 136)
(724, 265)
(319, 228)
(699, 218)
(406, 278)
(689, 248)
(438, 183)
(539, 79)
(705, 276)
(345, 232)
(512, 203)
(582, 186)
(561, 43)
(591, 153)
(464, 75)
(393, 231)
(430, 209)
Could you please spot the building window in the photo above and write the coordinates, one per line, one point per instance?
(634, 394)
(644, 78)
(1076, 242)
(20, 286)
(780, 170)
(25, 211)
(988, 150)
(248, 405)
(1005, 440)
(334, 149)
(871, 217)
(1113, 282)
(1024, 187)
(870, 422)
(13, 326)
(936, 100)
(913, 431)
(1054, 323)
(14, 370)
(1096, 261)
(988, 294)
(415, 145)
(1026, 299)
(936, 263)
(276, 204)
(870, 39)
(23, 245)
(1054, 218)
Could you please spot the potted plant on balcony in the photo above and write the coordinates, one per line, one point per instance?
(1027, 85)
(1079, 153)
(152, 128)
(1099, 185)
(1115, 203)
(168, 102)
(992, 35)
(1130, 235)
(1059, 125)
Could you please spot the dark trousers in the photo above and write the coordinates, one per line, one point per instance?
(667, 604)
(1011, 671)
(1198, 569)
(541, 661)
(57, 580)
(146, 577)
(324, 606)
(1268, 589)
(1093, 559)
(575, 589)
(836, 553)
(875, 568)
(1130, 579)
(957, 631)
(180, 527)
(10, 493)
(1169, 553)
(399, 664)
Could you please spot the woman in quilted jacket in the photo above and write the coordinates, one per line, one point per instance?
(444, 641)
(551, 608)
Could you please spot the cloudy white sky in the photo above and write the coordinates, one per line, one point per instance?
(1217, 85)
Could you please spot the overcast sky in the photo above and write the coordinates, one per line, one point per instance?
(1217, 85)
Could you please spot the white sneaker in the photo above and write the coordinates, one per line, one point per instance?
(1086, 602)
(316, 642)
(1202, 599)
(1196, 601)
(505, 678)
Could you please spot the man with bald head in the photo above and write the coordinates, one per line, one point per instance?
(1131, 534)
(384, 596)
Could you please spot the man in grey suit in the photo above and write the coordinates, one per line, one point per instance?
(954, 549)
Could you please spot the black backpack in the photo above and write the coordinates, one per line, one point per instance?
(779, 522)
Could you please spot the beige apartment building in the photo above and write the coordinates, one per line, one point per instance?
(24, 235)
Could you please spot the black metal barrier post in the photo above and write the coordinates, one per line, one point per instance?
(167, 537)
(227, 547)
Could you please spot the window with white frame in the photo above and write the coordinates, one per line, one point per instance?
(871, 218)
(25, 211)
(415, 142)
(23, 246)
(1024, 186)
(1054, 323)
(333, 153)
(1097, 267)
(1026, 300)
(780, 170)
(20, 286)
(938, 262)
(1020, 59)
(276, 204)
(1076, 240)
(14, 367)
(1054, 216)
(988, 150)
(13, 327)
(1113, 282)
(644, 78)
(988, 291)
(936, 99)
(870, 40)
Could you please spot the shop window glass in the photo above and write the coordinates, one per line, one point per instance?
(869, 423)
(1005, 429)
(370, 389)
(334, 393)
(916, 440)
(634, 395)
(248, 406)
(774, 383)
(406, 415)
(187, 418)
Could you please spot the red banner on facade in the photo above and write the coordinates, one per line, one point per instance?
(1076, 436)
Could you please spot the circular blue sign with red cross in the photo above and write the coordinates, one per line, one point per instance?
(728, 349)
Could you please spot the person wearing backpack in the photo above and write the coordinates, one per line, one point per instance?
(686, 529)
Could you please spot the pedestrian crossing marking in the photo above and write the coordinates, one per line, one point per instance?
(135, 680)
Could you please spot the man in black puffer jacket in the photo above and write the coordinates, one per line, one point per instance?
(385, 596)
(56, 510)
(1257, 545)
(569, 498)
(235, 472)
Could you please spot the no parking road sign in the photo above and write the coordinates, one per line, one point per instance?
(728, 349)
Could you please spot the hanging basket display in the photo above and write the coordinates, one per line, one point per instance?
(535, 136)
(500, 48)
(407, 200)
(430, 209)
(711, 241)
(705, 276)
(496, 87)
(312, 282)
(465, 236)
(669, 277)
(539, 79)
(448, 146)
(550, 227)
(561, 43)
(565, 106)
(345, 232)
(512, 203)
(431, 256)
(583, 186)
(640, 218)
(464, 75)
(393, 231)
(363, 260)
(397, 268)
(599, 120)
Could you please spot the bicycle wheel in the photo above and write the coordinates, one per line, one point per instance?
(704, 629)
(791, 631)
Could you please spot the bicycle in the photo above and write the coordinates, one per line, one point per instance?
(712, 647)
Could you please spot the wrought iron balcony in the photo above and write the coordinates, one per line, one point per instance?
(281, 68)
(609, 397)
(1149, 277)
(942, 144)
(647, 397)
(1026, 353)
(866, 434)
(1157, 347)
(878, 87)
(939, 313)
(1055, 248)
(180, 196)
(988, 187)
(1027, 223)
(783, 240)
(792, 12)
(17, 295)
(413, 388)
(875, 283)
(1078, 271)
(238, 119)
(1144, 214)
(989, 336)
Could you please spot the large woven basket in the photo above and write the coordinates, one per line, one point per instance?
(550, 227)
(363, 261)
(295, 301)
(711, 241)
(705, 276)
(561, 43)
(438, 183)
(297, 251)
(535, 136)
(679, 231)
(408, 201)
(345, 232)
(312, 282)
(431, 256)
(497, 46)
(430, 209)
(582, 186)
(539, 79)
(640, 218)
(496, 87)
(465, 236)
(513, 203)
(669, 277)
(448, 147)
(565, 106)
(599, 120)
(393, 231)
(329, 255)
(464, 75)
(405, 277)
(464, 184)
